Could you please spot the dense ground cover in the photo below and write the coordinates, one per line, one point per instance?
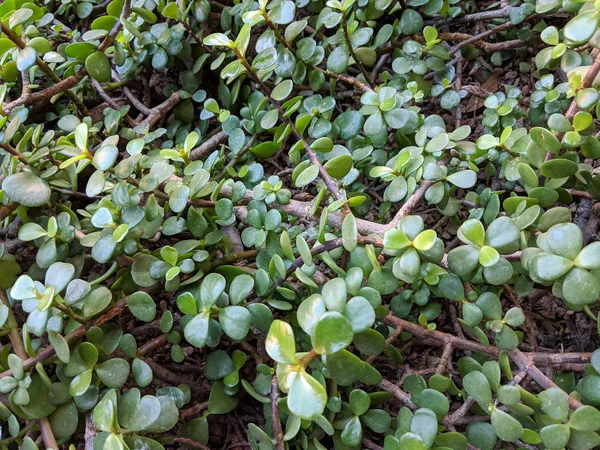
(305, 225)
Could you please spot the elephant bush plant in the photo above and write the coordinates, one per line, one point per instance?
(299, 224)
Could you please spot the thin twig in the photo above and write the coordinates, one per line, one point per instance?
(235, 159)
(441, 338)
(389, 341)
(48, 352)
(587, 81)
(327, 246)
(104, 96)
(340, 77)
(67, 311)
(480, 36)
(401, 395)
(191, 443)
(524, 362)
(171, 377)
(351, 50)
(277, 430)
(331, 185)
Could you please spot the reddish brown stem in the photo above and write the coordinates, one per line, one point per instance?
(401, 395)
(587, 81)
(6, 210)
(277, 430)
(528, 363)
(441, 338)
(48, 352)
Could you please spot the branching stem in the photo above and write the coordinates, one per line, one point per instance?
(331, 185)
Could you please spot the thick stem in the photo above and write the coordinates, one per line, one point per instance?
(193, 410)
(527, 363)
(446, 354)
(152, 345)
(90, 432)
(47, 434)
(371, 445)
(234, 257)
(475, 17)
(13, 329)
(412, 202)
(7, 210)
(304, 210)
(20, 156)
(451, 419)
(32, 98)
(44, 68)
(159, 111)
(208, 146)
(28, 98)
